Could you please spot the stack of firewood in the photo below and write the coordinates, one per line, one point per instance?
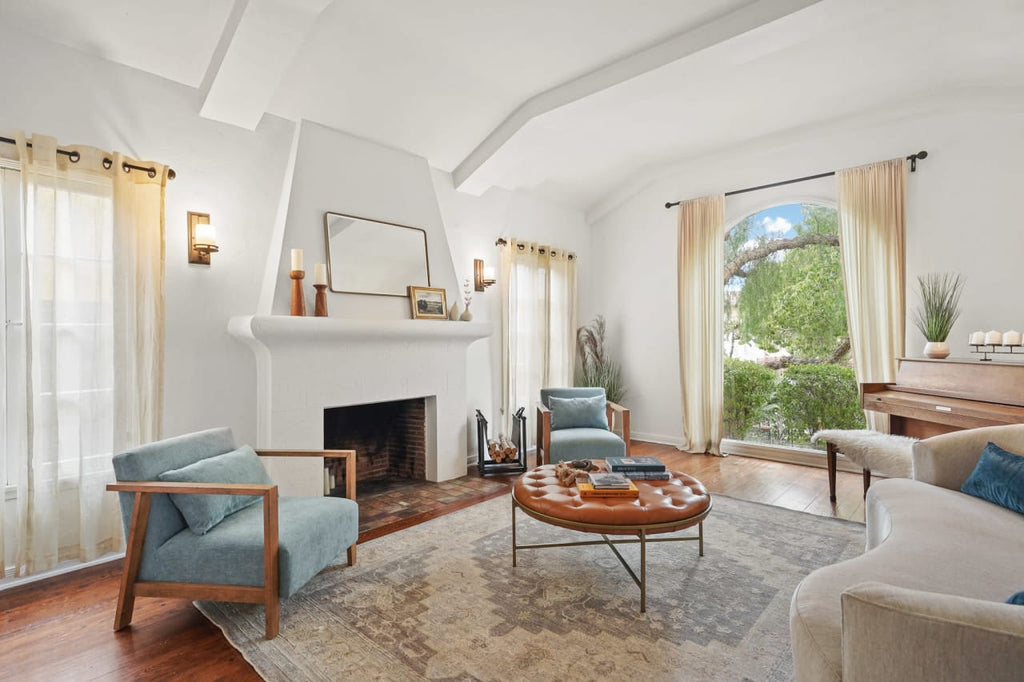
(501, 450)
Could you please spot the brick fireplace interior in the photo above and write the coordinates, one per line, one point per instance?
(389, 440)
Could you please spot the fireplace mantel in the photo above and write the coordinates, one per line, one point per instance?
(305, 365)
(273, 329)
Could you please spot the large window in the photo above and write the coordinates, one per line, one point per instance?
(787, 350)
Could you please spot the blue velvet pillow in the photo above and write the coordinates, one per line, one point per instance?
(203, 512)
(578, 413)
(1016, 599)
(998, 478)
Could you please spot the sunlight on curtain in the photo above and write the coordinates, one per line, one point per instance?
(701, 297)
(538, 316)
(872, 245)
(81, 313)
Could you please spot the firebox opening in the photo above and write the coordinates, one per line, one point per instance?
(389, 439)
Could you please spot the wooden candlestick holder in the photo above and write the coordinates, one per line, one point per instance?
(320, 301)
(298, 297)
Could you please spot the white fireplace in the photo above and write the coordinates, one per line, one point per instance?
(305, 365)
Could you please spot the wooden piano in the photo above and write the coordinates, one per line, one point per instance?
(938, 396)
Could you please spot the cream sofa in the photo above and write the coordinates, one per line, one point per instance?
(926, 601)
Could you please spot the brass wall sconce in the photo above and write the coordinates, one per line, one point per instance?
(202, 238)
(482, 277)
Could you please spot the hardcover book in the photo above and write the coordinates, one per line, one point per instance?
(587, 490)
(647, 475)
(613, 480)
(634, 464)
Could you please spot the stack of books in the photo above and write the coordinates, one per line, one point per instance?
(608, 485)
(638, 468)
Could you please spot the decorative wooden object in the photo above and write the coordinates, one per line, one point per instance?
(320, 301)
(298, 297)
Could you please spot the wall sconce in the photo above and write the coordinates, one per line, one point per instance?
(482, 277)
(202, 238)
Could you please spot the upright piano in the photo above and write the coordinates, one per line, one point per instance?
(938, 396)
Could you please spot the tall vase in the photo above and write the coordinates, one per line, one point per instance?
(936, 350)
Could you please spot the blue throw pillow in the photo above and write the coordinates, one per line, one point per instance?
(203, 512)
(578, 413)
(998, 478)
(1016, 599)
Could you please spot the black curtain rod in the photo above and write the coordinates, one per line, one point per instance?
(913, 167)
(74, 156)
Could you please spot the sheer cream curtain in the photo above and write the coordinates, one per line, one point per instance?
(872, 244)
(538, 320)
(701, 268)
(93, 297)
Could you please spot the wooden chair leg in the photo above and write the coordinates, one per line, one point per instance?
(867, 481)
(132, 560)
(271, 550)
(830, 450)
(352, 555)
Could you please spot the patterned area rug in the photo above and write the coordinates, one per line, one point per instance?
(441, 601)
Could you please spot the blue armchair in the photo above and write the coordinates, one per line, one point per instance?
(204, 521)
(579, 423)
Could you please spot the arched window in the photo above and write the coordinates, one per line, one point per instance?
(787, 352)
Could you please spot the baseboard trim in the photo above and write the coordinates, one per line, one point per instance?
(10, 583)
(658, 438)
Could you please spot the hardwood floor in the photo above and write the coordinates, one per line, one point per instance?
(60, 628)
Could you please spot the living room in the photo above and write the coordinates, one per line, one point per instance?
(569, 125)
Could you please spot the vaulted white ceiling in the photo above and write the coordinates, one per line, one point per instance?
(569, 98)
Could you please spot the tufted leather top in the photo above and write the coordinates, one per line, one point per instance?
(677, 503)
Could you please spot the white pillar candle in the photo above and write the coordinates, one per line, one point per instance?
(297, 259)
(206, 234)
(977, 338)
(320, 273)
(1011, 338)
(993, 338)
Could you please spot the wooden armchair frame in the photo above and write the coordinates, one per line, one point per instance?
(612, 410)
(268, 594)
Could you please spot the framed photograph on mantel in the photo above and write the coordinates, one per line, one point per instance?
(428, 303)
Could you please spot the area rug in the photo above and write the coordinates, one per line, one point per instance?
(441, 601)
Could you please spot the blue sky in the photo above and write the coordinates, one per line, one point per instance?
(777, 221)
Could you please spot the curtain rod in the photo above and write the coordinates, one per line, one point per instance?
(74, 156)
(913, 167)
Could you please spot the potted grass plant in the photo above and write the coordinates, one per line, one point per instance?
(938, 310)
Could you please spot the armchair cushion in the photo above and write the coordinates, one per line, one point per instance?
(203, 512)
(312, 532)
(583, 412)
(998, 478)
(146, 462)
(570, 444)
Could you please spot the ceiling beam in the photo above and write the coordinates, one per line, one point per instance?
(735, 23)
(260, 41)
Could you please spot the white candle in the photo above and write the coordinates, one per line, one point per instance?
(206, 234)
(320, 273)
(977, 338)
(993, 338)
(297, 259)
(489, 274)
(1011, 338)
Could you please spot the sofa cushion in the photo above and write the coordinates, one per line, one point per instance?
(579, 413)
(312, 531)
(571, 444)
(203, 512)
(998, 478)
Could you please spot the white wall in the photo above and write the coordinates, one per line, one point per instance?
(337, 172)
(232, 174)
(473, 224)
(962, 215)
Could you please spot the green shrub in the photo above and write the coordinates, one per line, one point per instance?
(813, 397)
(748, 390)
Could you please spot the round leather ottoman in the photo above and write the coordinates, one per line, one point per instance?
(662, 507)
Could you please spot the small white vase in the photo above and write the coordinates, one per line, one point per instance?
(453, 312)
(466, 315)
(936, 350)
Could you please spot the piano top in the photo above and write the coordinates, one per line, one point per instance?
(1001, 383)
